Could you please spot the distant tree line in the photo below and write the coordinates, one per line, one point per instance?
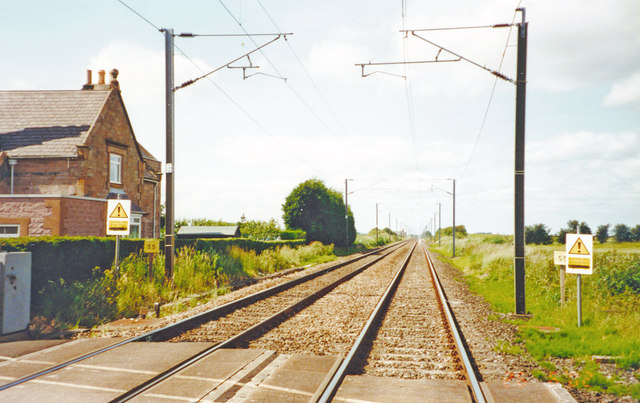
(539, 233)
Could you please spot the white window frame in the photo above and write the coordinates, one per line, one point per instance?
(135, 221)
(11, 235)
(115, 168)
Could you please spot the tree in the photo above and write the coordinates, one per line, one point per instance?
(602, 233)
(319, 211)
(461, 231)
(622, 233)
(573, 226)
(584, 228)
(537, 234)
(635, 231)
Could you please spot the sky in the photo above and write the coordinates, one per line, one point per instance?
(400, 135)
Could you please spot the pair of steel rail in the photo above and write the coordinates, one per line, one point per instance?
(177, 328)
(332, 386)
(328, 390)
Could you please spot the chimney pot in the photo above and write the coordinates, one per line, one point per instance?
(101, 77)
(89, 84)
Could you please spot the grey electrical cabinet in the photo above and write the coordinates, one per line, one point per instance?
(15, 291)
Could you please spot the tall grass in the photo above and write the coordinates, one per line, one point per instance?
(109, 295)
(610, 297)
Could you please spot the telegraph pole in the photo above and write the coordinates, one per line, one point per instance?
(521, 86)
(169, 249)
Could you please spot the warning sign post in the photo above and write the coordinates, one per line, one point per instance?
(118, 216)
(579, 249)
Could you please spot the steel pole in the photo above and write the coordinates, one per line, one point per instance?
(521, 84)
(170, 154)
(439, 223)
(376, 224)
(454, 218)
(346, 214)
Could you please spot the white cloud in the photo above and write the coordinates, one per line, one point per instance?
(582, 146)
(624, 92)
(331, 58)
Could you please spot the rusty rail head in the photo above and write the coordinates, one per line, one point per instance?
(470, 375)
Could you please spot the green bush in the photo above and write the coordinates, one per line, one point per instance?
(59, 264)
(220, 245)
(292, 234)
(68, 258)
(108, 294)
(616, 273)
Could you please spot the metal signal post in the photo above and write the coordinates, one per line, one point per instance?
(521, 83)
(169, 251)
(521, 86)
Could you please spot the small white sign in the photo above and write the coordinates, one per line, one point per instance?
(118, 216)
(579, 249)
(560, 258)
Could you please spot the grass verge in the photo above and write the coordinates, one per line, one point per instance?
(610, 297)
(109, 295)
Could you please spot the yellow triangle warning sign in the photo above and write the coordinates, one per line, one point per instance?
(119, 212)
(578, 248)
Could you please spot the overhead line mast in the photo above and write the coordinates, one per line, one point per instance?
(170, 90)
(520, 82)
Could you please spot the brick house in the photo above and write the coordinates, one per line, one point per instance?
(64, 153)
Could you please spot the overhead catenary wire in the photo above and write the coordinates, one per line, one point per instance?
(280, 74)
(248, 115)
(291, 88)
(259, 48)
(408, 89)
(493, 90)
(306, 72)
(140, 15)
(226, 95)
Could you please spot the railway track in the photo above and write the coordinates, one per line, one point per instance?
(410, 334)
(380, 313)
(300, 289)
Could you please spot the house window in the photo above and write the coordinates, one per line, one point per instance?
(115, 168)
(9, 231)
(134, 226)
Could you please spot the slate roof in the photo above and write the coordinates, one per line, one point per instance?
(47, 123)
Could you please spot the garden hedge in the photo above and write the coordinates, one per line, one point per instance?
(73, 258)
